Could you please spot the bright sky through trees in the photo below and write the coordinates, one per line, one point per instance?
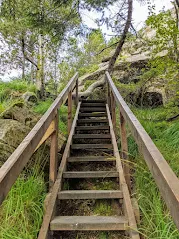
(140, 14)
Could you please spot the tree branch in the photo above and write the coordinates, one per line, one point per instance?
(123, 37)
(28, 58)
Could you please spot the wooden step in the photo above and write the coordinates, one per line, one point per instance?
(93, 101)
(93, 104)
(93, 127)
(81, 115)
(91, 159)
(90, 194)
(90, 174)
(93, 109)
(92, 121)
(91, 146)
(89, 223)
(91, 136)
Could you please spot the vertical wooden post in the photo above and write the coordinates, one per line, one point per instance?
(108, 96)
(76, 99)
(113, 111)
(69, 111)
(124, 150)
(54, 153)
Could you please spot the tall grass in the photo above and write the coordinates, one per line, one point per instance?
(22, 212)
(156, 222)
(43, 106)
(14, 86)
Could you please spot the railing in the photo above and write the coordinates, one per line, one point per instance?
(47, 127)
(165, 178)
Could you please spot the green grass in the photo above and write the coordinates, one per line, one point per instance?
(102, 208)
(156, 221)
(22, 212)
(14, 88)
(43, 106)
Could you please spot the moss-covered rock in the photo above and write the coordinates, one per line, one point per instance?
(20, 113)
(12, 133)
(29, 97)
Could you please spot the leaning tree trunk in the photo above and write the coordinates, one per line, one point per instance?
(177, 2)
(123, 37)
(40, 72)
(112, 61)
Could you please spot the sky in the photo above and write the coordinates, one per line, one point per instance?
(140, 14)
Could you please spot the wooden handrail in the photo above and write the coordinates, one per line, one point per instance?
(165, 178)
(12, 168)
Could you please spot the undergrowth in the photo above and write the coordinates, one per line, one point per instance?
(43, 106)
(22, 212)
(156, 222)
(14, 87)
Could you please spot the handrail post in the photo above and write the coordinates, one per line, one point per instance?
(69, 111)
(108, 96)
(76, 98)
(124, 150)
(113, 111)
(54, 153)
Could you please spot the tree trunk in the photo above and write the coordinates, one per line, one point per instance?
(177, 2)
(40, 72)
(123, 37)
(23, 68)
(55, 76)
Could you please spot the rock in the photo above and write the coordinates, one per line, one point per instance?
(15, 123)
(12, 133)
(29, 97)
(21, 113)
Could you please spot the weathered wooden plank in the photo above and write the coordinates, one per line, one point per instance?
(69, 111)
(91, 146)
(93, 101)
(165, 178)
(52, 200)
(76, 95)
(93, 127)
(54, 153)
(93, 114)
(90, 194)
(124, 151)
(113, 112)
(91, 159)
(93, 105)
(11, 169)
(90, 174)
(92, 109)
(129, 213)
(47, 134)
(92, 121)
(88, 223)
(92, 136)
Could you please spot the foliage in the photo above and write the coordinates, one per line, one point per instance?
(156, 221)
(82, 57)
(22, 212)
(43, 106)
(14, 87)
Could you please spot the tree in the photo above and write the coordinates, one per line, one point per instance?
(43, 20)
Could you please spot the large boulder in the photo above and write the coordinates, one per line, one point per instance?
(21, 113)
(29, 97)
(12, 133)
(15, 123)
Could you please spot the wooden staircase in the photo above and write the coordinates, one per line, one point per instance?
(93, 123)
(91, 140)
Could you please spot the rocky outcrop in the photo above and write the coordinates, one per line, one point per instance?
(29, 97)
(15, 123)
(12, 133)
(20, 113)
